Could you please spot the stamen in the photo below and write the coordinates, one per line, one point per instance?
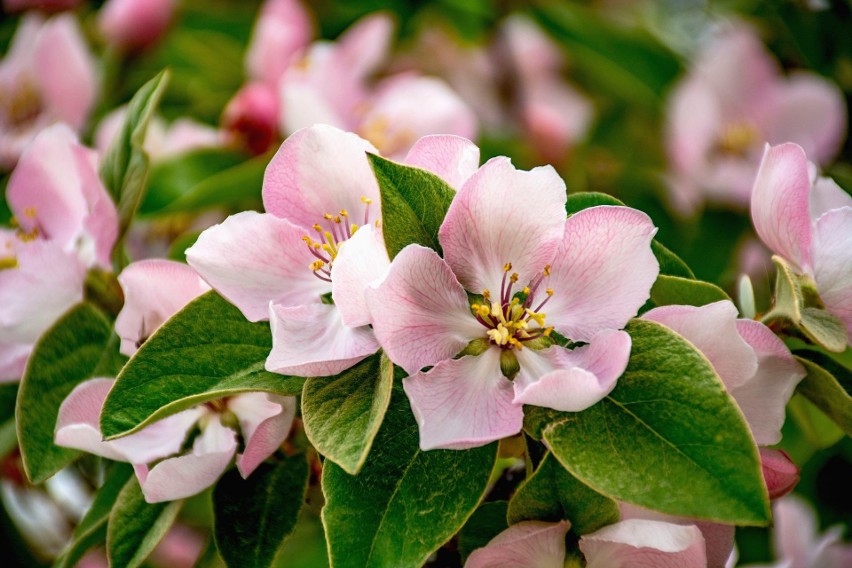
(366, 201)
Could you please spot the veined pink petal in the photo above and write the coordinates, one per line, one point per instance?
(779, 472)
(573, 380)
(252, 258)
(312, 341)
(603, 271)
(13, 360)
(154, 290)
(282, 29)
(503, 215)
(265, 420)
(452, 158)
(420, 312)
(764, 397)
(463, 403)
(832, 259)
(712, 329)
(531, 544)
(638, 543)
(362, 262)
(317, 171)
(77, 424)
(779, 203)
(186, 475)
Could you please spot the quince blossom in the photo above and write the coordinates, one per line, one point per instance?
(505, 237)
(642, 543)
(807, 220)
(305, 263)
(532, 543)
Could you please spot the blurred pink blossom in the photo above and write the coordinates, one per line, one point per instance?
(43, 5)
(135, 24)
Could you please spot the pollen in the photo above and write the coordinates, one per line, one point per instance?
(30, 212)
(8, 263)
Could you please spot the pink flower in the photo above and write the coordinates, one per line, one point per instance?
(305, 263)
(47, 76)
(733, 101)
(251, 117)
(642, 543)
(44, 5)
(779, 472)
(505, 233)
(135, 24)
(530, 544)
(282, 30)
(806, 220)
(66, 224)
(754, 365)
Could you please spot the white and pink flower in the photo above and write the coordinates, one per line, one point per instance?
(532, 543)
(135, 24)
(643, 543)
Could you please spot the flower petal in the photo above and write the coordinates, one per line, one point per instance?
(420, 312)
(638, 543)
(503, 215)
(764, 397)
(603, 271)
(832, 258)
(161, 439)
(573, 380)
(825, 196)
(283, 28)
(531, 544)
(154, 290)
(77, 424)
(463, 403)
(312, 341)
(779, 472)
(712, 329)
(252, 258)
(13, 360)
(779, 203)
(321, 170)
(361, 262)
(265, 420)
(452, 158)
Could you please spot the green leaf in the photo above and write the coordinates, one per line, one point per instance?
(136, 527)
(65, 356)
(414, 204)
(405, 503)
(253, 516)
(668, 290)
(668, 438)
(342, 414)
(92, 528)
(208, 350)
(576, 202)
(553, 494)
(485, 523)
(670, 263)
(825, 392)
(125, 166)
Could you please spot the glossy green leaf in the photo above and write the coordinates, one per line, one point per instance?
(414, 204)
(668, 290)
(342, 414)
(405, 503)
(670, 263)
(66, 355)
(206, 351)
(826, 393)
(485, 523)
(92, 528)
(135, 527)
(576, 202)
(253, 516)
(125, 166)
(553, 494)
(668, 438)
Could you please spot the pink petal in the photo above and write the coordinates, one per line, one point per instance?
(321, 170)
(779, 203)
(420, 312)
(452, 158)
(779, 472)
(637, 543)
(185, 135)
(77, 424)
(265, 420)
(251, 117)
(555, 116)
(253, 259)
(154, 290)
(186, 475)
(811, 112)
(795, 536)
(574, 380)
(283, 28)
(363, 47)
(361, 262)
(832, 258)
(825, 196)
(531, 51)
(161, 439)
(603, 271)
(66, 70)
(135, 24)
(463, 403)
(712, 329)
(692, 125)
(503, 215)
(763, 398)
(531, 544)
(13, 360)
(312, 341)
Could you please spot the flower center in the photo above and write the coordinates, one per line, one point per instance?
(377, 130)
(737, 139)
(336, 231)
(511, 320)
(21, 104)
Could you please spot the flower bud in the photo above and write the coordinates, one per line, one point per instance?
(779, 472)
(251, 117)
(135, 24)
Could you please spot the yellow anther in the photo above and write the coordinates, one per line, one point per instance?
(515, 301)
(549, 291)
(317, 228)
(308, 240)
(536, 317)
(486, 294)
(27, 236)
(366, 200)
(514, 277)
(329, 249)
(328, 236)
(316, 246)
(547, 331)
(317, 265)
(527, 290)
(344, 213)
(30, 212)
(500, 335)
(328, 217)
(497, 311)
(353, 227)
(14, 222)
(547, 270)
(8, 262)
(515, 343)
(336, 219)
(507, 267)
(482, 310)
